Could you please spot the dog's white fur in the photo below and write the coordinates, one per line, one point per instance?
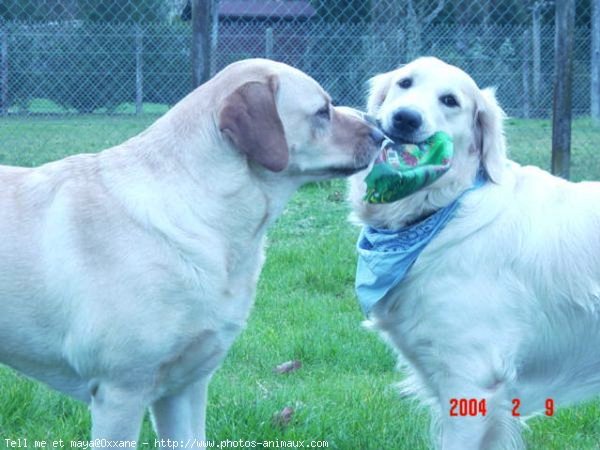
(126, 275)
(505, 302)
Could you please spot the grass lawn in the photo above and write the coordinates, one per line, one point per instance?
(305, 309)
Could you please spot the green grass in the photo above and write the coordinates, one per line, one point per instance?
(530, 142)
(305, 310)
(47, 106)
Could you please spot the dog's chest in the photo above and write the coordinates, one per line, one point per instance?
(197, 359)
(210, 328)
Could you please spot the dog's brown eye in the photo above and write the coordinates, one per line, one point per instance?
(449, 100)
(323, 113)
(405, 83)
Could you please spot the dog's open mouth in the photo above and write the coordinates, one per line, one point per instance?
(334, 171)
(346, 171)
(402, 169)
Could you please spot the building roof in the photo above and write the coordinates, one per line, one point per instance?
(266, 8)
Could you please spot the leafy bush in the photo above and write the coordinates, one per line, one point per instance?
(93, 66)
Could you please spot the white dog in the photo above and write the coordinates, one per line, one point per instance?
(126, 275)
(499, 316)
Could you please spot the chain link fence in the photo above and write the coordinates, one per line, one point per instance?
(62, 57)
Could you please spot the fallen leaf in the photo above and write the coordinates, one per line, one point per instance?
(283, 417)
(288, 366)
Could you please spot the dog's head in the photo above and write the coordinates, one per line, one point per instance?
(284, 122)
(415, 101)
(428, 95)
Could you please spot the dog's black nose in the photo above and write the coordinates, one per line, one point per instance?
(407, 120)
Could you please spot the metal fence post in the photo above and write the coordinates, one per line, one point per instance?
(536, 40)
(526, 74)
(595, 63)
(269, 43)
(139, 75)
(563, 77)
(214, 38)
(3, 69)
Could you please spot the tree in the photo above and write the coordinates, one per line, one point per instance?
(537, 9)
(563, 85)
(93, 11)
(204, 16)
(20, 10)
(409, 18)
(119, 11)
(419, 15)
(354, 11)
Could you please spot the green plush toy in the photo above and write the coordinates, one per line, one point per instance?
(402, 169)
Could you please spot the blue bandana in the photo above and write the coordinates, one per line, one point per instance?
(386, 256)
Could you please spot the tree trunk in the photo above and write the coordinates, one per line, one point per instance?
(385, 47)
(413, 32)
(202, 16)
(417, 21)
(563, 77)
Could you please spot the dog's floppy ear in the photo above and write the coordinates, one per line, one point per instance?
(378, 89)
(489, 134)
(249, 117)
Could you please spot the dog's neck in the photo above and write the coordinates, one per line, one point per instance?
(242, 202)
(418, 206)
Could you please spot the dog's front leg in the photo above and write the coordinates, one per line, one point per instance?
(478, 418)
(182, 416)
(477, 433)
(117, 413)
